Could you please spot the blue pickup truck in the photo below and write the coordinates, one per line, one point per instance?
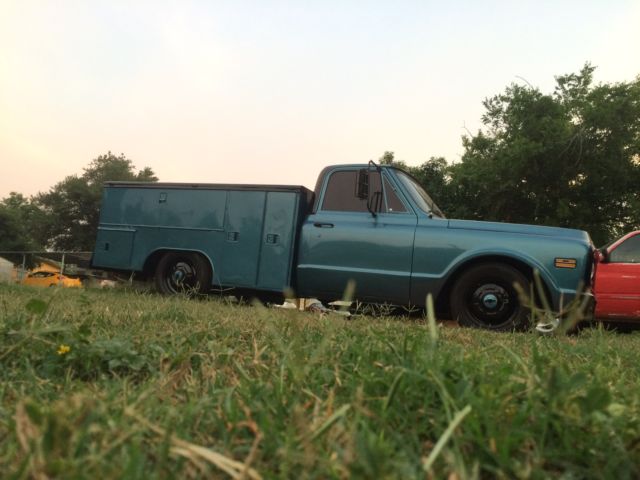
(373, 225)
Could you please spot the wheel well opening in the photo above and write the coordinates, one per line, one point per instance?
(442, 302)
(150, 264)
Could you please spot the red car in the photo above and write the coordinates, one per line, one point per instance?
(616, 281)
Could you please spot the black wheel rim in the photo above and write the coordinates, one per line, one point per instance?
(181, 276)
(492, 304)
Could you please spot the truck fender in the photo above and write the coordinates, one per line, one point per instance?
(523, 262)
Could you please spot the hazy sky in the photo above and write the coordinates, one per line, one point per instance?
(272, 91)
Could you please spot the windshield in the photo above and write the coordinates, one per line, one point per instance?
(422, 198)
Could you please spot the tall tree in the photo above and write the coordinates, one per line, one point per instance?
(20, 223)
(434, 175)
(73, 205)
(570, 158)
(389, 158)
(14, 235)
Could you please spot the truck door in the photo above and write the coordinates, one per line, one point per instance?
(617, 281)
(343, 241)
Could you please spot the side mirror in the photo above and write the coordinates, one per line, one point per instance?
(362, 187)
(602, 255)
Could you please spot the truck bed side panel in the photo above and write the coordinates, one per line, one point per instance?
(248, 234)
(174, 208)
(114, 247)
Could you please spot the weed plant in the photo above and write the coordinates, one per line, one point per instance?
(116, 384)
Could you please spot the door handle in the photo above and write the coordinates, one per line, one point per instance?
(323, 225)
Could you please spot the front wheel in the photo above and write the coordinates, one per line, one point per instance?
(485, 297)
(183, 272)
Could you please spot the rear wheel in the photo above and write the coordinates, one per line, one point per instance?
(485, 296)
(183, 272)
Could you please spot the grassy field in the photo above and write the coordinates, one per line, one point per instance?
(116, 384)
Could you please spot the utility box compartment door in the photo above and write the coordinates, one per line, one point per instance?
(113, 247)
(242, 235)
(278, 238)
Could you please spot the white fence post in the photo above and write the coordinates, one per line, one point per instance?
(60, 282)
(24, 267)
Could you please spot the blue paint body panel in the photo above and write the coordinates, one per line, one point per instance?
(248, 233)
(374, 252)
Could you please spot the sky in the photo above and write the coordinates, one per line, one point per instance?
(271, 91)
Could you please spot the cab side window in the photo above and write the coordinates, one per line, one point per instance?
(394, 204)
(627, 252)
(340, 194)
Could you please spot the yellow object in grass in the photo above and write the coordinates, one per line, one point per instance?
(64, 349)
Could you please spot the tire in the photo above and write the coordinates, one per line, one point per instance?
(183, 273)
(485, 297)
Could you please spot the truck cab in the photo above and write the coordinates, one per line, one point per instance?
(393, 242)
